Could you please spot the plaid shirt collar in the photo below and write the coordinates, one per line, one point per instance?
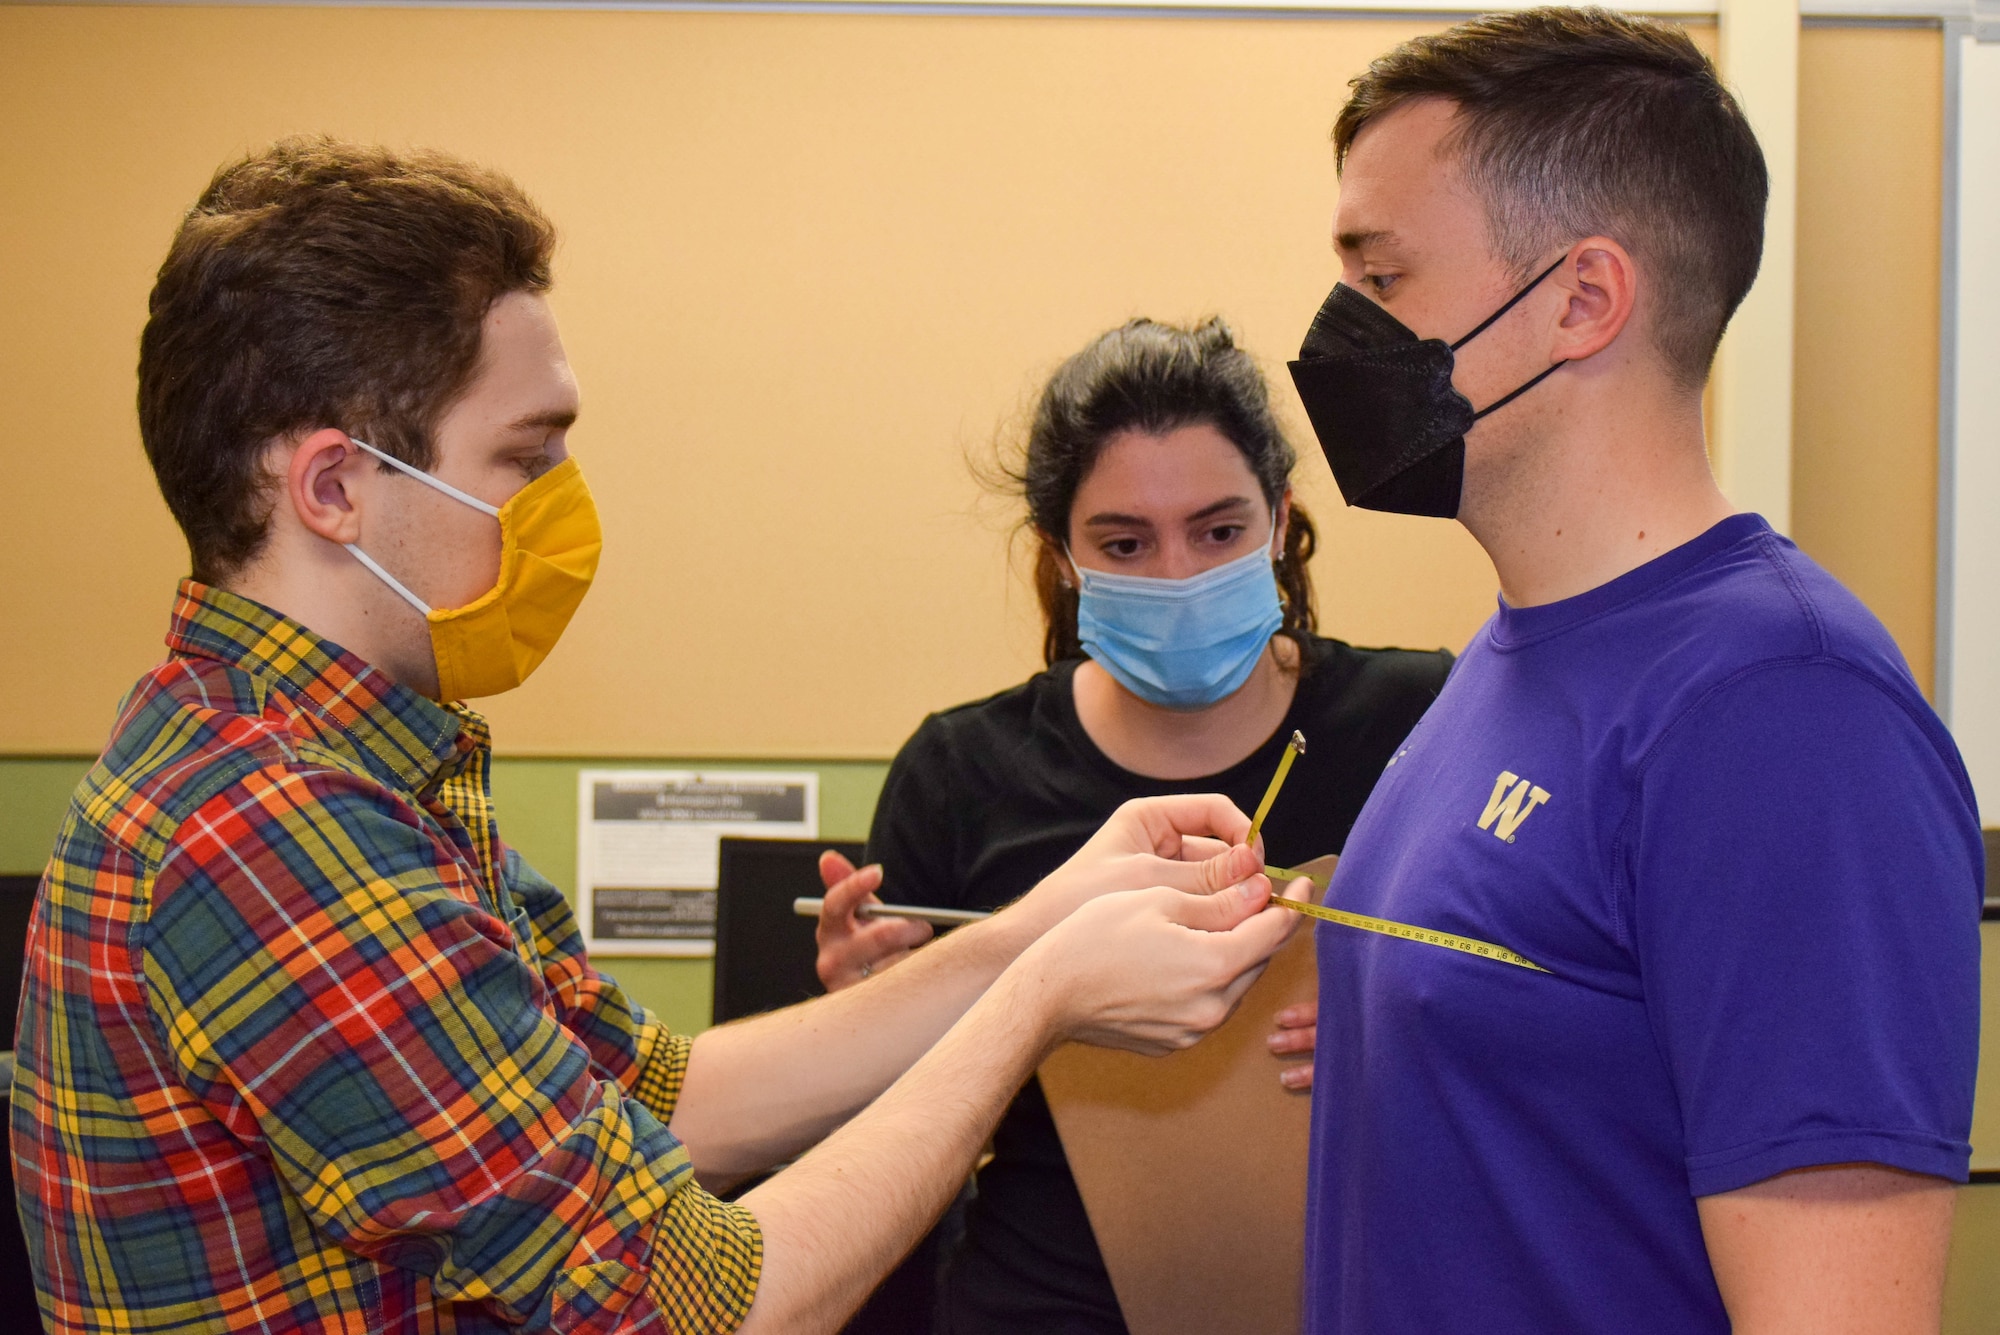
(354, 706)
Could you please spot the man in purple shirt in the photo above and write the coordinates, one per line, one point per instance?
(1682, 774)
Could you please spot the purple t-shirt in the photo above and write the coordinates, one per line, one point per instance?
(1710, 800)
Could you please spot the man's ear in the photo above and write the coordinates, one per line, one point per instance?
(1600, 285)
(324, 467)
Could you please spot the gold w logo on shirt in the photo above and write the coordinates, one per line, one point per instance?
(1514, 800)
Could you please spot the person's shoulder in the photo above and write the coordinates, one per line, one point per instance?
(1845, 627)
(954, 774)
(1008, 713)
(190, 728)
(1791, 735)
(1763, 602)
(1782, 645)
(192, 732)
(1335, 669)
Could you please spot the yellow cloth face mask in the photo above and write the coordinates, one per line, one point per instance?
(549, 545)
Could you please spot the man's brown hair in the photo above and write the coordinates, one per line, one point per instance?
(1575, 122)
(319, 284)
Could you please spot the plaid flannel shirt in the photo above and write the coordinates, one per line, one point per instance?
(304, 1047)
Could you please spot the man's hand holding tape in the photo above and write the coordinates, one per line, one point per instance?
(1145, 939)
(853, 947)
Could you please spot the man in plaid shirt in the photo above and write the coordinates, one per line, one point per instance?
(303, 1045)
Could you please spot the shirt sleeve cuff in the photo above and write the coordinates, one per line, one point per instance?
(707, 1259)
(1913, 1152)
(659, 1086)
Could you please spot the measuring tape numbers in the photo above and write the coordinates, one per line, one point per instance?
(1401, 930)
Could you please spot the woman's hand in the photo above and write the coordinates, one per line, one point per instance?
(1297, 1031)
(853, 948)
(1298, 1026)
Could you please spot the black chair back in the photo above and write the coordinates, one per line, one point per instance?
(17, 1281)
(763, 951)
(17, 905)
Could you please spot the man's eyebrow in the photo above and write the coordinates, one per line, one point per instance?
(553, 419)
(1359, 240)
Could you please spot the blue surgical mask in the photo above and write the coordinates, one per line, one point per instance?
(1180, 643)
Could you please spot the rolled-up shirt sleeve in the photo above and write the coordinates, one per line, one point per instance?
(433, 1091)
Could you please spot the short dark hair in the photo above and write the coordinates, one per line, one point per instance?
(1582, 121)
(317, 284)
(1151, 377)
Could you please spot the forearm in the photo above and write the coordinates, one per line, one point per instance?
(836, 1222)
(761, 1090)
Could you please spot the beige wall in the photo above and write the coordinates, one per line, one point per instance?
(810, 261)
(1864, 468)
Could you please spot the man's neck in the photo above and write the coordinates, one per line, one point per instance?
(327, 591)
(1602, 488)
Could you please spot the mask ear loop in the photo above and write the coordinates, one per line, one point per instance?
(1502, 402)
(1512, 301)
(423, 608)
(1487, 323)
(438, 482)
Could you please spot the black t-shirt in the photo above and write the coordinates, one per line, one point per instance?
(987, 799)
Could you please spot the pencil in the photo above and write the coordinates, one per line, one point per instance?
(1293, 750)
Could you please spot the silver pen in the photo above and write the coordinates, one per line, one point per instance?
(812, 908)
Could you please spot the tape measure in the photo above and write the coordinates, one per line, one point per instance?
(1401, 930)
(1295, 748)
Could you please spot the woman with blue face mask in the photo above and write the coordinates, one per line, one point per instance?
(1181, 649)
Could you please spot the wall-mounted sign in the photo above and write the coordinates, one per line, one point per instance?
(648, 843)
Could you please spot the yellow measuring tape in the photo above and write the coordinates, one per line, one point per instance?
(1403, 930)
(1294, 748)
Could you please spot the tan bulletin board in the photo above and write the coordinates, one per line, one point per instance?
(809, 261)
